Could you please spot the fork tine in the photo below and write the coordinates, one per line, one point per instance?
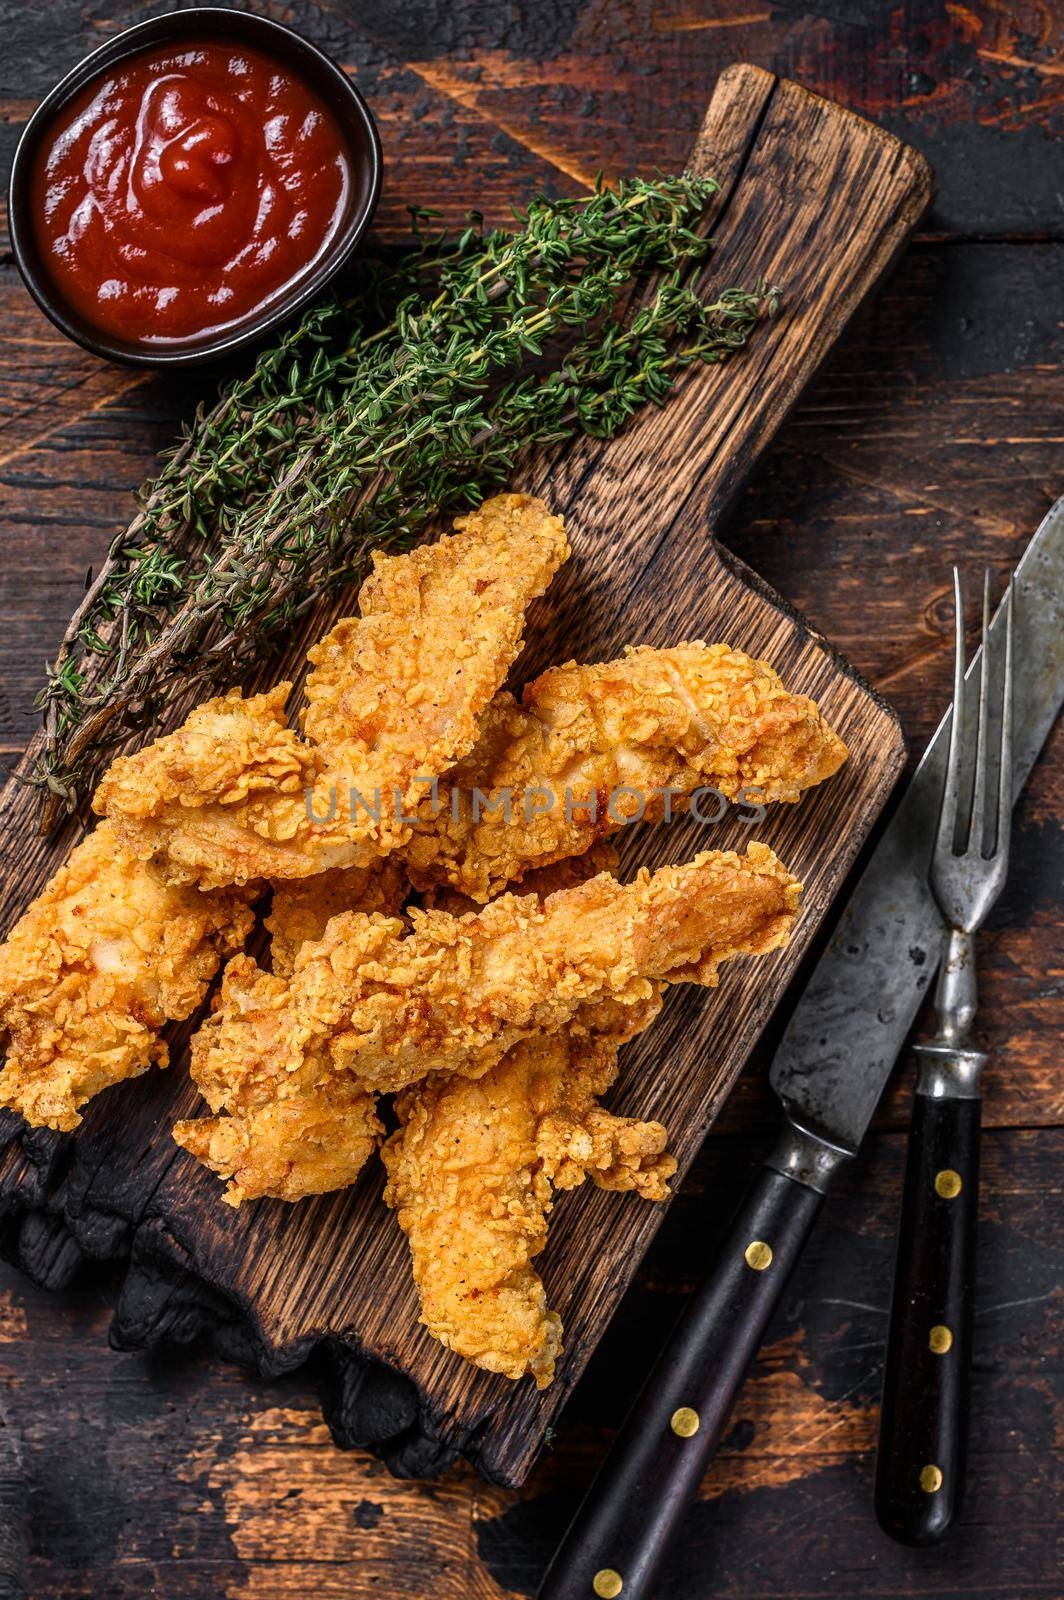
(947, 819)
(1004, 809)
(977, 825)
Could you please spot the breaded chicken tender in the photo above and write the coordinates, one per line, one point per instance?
(588, 748)
(95, 968)
(472, 1172)
(309, 1143)
(319, 1139)
(309, 1132)
(386, 1009)
(400, 689)
(540, 881)
(302, 910)
(393, 699)
(223, 798)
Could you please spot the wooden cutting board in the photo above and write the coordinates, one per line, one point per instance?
(818, 201)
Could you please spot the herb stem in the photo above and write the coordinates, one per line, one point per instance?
(349, 436)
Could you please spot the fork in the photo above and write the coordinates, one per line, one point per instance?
(923, 1423)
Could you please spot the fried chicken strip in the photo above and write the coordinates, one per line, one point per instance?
(399, 691)
(588, 748)
(472, 1172)
(103, 958)
(394, 697)
(319, 1138)
(311, 1142)
(454, 995)
(302, 910)
(223, 798)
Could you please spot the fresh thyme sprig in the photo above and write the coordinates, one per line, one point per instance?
(231, 451)
(350, 436)
(605, 378)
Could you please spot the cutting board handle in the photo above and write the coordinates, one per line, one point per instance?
(622, 1531)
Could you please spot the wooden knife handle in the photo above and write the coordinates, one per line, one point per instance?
(923, 1426)
(619, 1537)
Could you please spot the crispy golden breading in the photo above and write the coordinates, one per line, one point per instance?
(94, 969)
(472, 1172)
(309, 1143)
(318, 1140)
(302, 910)
(309, 1133)
(654, 722)
(223, 799)
(540, 881)
(458, 992)
(394, 698)
(400, 690)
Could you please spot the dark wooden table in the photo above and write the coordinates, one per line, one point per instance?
(936, 435)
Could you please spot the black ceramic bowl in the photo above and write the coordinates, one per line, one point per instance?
(323, 76)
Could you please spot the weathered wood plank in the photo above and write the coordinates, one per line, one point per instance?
(488, 103)
(177, 1476)
(857, 522)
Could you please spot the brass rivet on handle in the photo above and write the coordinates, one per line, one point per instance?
(931, 1479)
(758, 1255)
(607, 1584)
(939, 1340)
(685, 1422)
(948, 1183)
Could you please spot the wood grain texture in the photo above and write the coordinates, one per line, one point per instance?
(933, 434)
(791, 168)
(174, 1475)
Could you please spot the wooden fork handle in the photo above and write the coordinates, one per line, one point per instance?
(923, 1426)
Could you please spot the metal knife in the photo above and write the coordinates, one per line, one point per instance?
(829, 1072)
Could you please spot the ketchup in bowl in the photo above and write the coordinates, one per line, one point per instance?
(184, 190)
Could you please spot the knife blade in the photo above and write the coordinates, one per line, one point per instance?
(829, 1071)
(848, 1028)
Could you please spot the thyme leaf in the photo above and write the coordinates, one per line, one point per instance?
(412, 396)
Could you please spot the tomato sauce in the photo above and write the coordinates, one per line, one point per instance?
(185, 189)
